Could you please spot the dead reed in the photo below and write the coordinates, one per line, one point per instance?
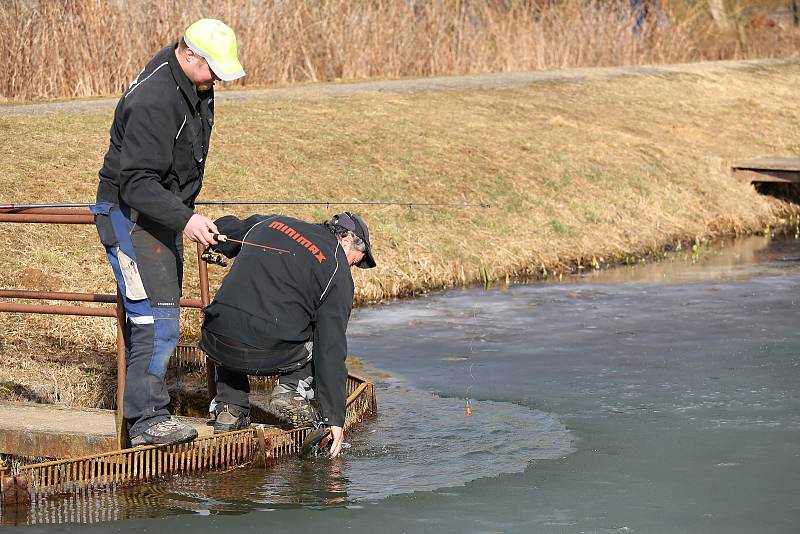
(78, 48)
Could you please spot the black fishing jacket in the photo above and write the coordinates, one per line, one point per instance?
(159, 143)
(276, 300)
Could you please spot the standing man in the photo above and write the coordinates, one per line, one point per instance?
(151, 176)
(283, 309)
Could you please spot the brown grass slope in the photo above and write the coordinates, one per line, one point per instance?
(572, 170)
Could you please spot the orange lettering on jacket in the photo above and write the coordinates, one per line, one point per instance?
(294, 234)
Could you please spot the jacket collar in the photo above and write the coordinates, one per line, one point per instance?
(181, 79)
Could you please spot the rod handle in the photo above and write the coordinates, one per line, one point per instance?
(220, 237)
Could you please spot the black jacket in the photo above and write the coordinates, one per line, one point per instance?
(273, 300)
(159, 143)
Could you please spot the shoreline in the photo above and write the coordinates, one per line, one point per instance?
(695, 250)
(577, 172)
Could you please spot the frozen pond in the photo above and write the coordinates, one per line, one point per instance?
(647, 399)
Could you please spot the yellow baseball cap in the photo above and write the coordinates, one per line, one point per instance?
(213, 40)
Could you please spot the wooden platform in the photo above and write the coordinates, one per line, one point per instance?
(763, 170)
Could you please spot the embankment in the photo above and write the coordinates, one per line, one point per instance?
(586, 167)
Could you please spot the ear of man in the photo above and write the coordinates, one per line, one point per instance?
(346, 241)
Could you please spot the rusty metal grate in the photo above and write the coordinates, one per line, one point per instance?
(189, 357)
(131, 466)
(104, 472)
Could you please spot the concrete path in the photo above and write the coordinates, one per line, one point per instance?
(441, 83)
(45, 430)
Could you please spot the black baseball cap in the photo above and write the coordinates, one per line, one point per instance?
(354, 223)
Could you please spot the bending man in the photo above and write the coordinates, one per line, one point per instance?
(151, 175)
(285, 312)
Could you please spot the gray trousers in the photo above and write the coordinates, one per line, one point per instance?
(235, 360)
(147, 260)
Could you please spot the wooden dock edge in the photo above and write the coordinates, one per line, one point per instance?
(767, 170)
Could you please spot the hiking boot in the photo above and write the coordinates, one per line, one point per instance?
(167, 432)
(229, 420)
(289, 406)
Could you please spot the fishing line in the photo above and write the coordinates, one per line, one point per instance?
(468, 407)
(467, 400)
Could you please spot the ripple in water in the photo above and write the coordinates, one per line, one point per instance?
(427, 442)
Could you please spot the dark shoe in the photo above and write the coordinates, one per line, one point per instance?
(290, 407)
(229, 420)
(167, 432)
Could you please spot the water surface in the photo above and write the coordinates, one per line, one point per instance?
(647, 399)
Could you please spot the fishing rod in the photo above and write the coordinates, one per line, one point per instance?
(211, 256)
(35, 206)
(270, 203)
(343, 203)
(222, 238)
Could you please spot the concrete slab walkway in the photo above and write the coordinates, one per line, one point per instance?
(45, 430)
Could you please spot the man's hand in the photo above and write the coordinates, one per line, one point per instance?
(200, 230)
(338, 437)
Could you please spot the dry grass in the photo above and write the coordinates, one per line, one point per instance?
(73, 48)
(573, 170)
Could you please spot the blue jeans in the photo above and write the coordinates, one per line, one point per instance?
(147, 260)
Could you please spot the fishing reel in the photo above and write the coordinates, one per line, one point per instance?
(213, 257)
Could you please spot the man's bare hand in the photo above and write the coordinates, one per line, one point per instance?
(200, 230)
(338, 438)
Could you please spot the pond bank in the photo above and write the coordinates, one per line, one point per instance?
(648, 403)
(577, 170)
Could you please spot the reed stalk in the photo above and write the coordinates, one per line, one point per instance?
(80, 48)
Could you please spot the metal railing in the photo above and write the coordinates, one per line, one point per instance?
(80, 216)
(106, 471)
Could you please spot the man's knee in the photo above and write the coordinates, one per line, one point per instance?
(165, 338)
